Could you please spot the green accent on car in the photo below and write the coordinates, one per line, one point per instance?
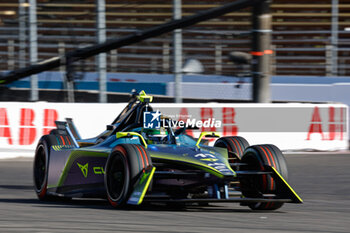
(84, 169)
(130, 134)
(2, 81)
(147, 184)
(210, 160)
(205, 134)
(98, 170)
(61, 147)
(143, 97)
(141, 188)
(295, 197)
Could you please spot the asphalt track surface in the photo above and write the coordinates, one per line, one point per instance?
(322, 180)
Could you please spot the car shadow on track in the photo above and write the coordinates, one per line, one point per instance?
(17, 187)
(104, 205)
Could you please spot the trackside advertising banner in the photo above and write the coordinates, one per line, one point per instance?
(289, 126)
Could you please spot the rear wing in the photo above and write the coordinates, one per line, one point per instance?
(72, 128)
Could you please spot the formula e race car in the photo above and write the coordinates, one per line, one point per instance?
(131, 163)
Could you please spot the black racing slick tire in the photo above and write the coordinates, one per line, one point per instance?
(123, 168)
(254, 186)
(234, 144)
(41, 165)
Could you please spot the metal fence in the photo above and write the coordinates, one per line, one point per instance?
(303, 39)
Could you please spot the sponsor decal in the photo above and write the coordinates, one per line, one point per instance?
(201, 155)
(206, 157)
(221, 167)
(212, 159)
(28, 131)
(84, 169)
(98, 170)
(336, 125)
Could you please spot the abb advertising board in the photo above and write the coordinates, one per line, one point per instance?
(289, 126)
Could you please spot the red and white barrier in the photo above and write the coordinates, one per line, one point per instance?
(289, 126)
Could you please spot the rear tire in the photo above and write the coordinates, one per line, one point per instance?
(254, 186)
(234, 144)
(41, 166)
(123, 168)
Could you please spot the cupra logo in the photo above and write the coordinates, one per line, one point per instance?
(84, 169)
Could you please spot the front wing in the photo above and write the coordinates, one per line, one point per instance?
(287, 194)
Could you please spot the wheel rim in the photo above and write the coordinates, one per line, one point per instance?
(40, 168)
(116, 177)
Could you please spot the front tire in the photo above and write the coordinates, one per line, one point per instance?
(254, 186)
(123, 168)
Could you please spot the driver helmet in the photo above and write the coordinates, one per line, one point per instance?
(154, 136)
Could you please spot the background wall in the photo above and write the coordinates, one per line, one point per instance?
(289, 126)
